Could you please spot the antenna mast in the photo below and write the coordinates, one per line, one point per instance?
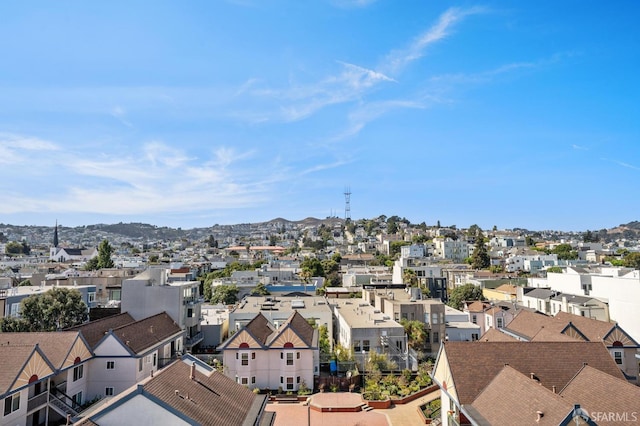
(347, 203)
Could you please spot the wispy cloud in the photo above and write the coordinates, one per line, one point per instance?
(623, 164)
(353, 3)
(579, 147)
(18, 149)
(119, 114)
(399, 59)
(155, 178)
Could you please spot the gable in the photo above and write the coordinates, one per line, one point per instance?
(287, 335)
(111, 346)
(442, 375)
(572, 331)
(35, 367)
(242, 337)
(617, 336)
(79, 351)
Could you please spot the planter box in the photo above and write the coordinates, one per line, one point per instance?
(416, 395)
(383, 404)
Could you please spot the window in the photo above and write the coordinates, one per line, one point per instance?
(140, 364)
(11, 404)
(289, 383)
(108, 391)
(92, 297)
(111, 365)
(155, 359)
(245, 358)
(289, 358)
(436, 337)
(253, 355)
(298, 379)
(366, 345)
(190, 313)
(500, 322)
(474, 336)
(474, 318)
(617, 355)
(245, 381)
(253, 380)
(15, 310)
(78, 372)
(434, 318)
(77, 398)
(356, 346)
(297, 355)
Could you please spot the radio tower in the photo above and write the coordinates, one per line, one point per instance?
(347, 203)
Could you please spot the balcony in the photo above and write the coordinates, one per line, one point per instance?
(37, 401)
(194, 340)
(192, 300)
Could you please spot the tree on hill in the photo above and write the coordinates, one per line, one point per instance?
(225, 294)
(565, 252)
(480, 257)
(56, 309)
(464, 293)
(632, 260)
(103, 259)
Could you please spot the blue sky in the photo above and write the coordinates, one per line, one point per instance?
(187, 113)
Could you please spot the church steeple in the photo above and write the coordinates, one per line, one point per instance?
(55, 235)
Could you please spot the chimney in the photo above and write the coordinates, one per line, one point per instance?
(553, 388)
(192, 372)
(540, 415)
(151, 329)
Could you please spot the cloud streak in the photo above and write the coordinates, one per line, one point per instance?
(396, 61)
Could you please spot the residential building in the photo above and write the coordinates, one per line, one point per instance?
(619, 287)
(529, 326)
(266, 355)
(150, 293)
(499, 382)
(408, 304)
(187, 392)
(43, 377)
(278, 309)
(10, 298)
(363, 328)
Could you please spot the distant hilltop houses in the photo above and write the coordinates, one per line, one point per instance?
(249, 316)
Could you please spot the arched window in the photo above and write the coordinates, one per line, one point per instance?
(244, 345)
(288, 345)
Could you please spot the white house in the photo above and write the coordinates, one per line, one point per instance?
(261, 355)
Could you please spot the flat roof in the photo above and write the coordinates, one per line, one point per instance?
(304, 304)
(360, 314)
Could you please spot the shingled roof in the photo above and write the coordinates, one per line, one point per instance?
(593, 329)
(494, 335)
(143, 334)
(474, 365)
(302, 327)
(14, 358)
(599, 392)
(207, 400)
(94, 331)
(512, 398)
(260, 328)
(55, 345)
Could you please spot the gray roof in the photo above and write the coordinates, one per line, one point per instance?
(541, 293)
